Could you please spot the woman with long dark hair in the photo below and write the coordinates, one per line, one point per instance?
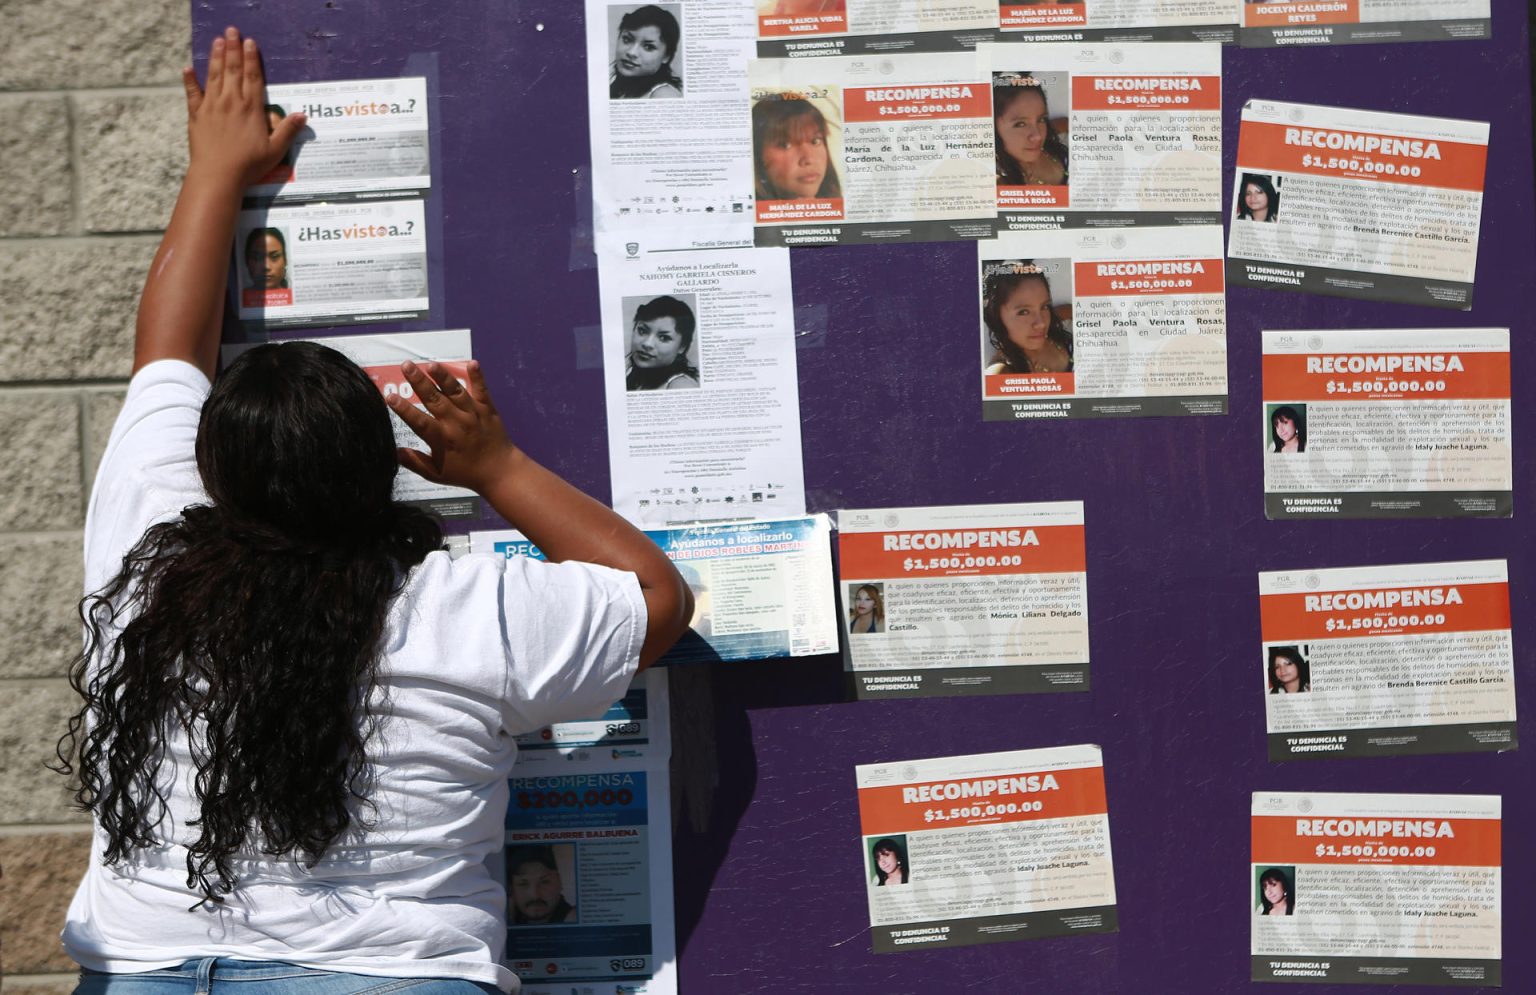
(890, 862)
(1258, 200)
(1028, 150)
(1287, 430)
(643, 54)
(790, 150)
(298, 713)
(1023, 328)
(1275, 893)
(659, 341)
(1289, 672)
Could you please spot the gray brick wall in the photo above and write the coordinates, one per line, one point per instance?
(92, 147)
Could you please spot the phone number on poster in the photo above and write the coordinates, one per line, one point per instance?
(959, 562)
(1373, 850)
(1386, 386)
(981, 811)
(574, 799)
(1360, 165)
(1383, 622)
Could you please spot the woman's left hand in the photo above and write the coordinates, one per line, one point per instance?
(227, 119)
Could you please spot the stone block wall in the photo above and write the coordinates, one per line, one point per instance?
(92, 148)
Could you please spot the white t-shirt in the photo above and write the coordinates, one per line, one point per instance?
(476, 651)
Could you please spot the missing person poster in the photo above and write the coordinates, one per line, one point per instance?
(1355, 203)
(799, 28)
(700, 383)
(761, 589)
(1106, 135)
(1388, 660)
(331, 264)
(1102, 324)
(1119, 20)
(890, 149)
(363, 139)
(958, 851)
(1272, 23)
(1373, 889)
(380, 357)
(965, 600)
(664, 96)
(1402, 423)
(588, 864)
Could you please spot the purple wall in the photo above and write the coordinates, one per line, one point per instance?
(770, 892)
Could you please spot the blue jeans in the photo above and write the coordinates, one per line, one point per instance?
(266, 977)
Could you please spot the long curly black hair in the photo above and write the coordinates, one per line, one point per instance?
(251, 625)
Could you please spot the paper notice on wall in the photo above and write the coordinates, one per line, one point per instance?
(364, 139)
(588, 865)
(1376, 889)
(890, 149)
(1378, 661)
(670, 145)
(966, 600)
(380, 357)
(331, 264)
(1102, 324)
(1403, 423)
(761, 589)
(700, 382)
(1106, 135)
(986, 849)
(1119, 20)
(799, 28)
(1270, 23)
(1357, 203)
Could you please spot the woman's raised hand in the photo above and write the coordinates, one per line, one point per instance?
(470, 447)
(227, 125)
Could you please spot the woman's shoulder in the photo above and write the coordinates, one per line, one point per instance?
(665, 91)
(681, 381)
(1001, 366)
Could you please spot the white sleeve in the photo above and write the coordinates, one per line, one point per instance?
(573, 634)
(149, 470)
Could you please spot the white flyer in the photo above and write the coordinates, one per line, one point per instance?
(801, 28)
(1355, 203)
(1376, 889)
(989, 848)
(331, 264)
(1089, 323)
(700, 383)
(666, 84)
(1120, 20)
(1277, 23)
(363, 139)
(1388, 423)
(1106, 135)
(965, 600)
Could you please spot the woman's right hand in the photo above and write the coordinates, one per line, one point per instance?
(470, 447)
(227, 120)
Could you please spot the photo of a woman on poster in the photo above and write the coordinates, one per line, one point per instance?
(1028, 150)
(1257, 199)
(644, 52)
(266, 259)
(889, 855)
(866, 609)
(1276, 896)
(1289, 672)
(791, 150)
(1025, 328)
(1288, 429)
(660, 346)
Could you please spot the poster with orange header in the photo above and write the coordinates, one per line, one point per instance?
(1092, 323)
(1387, 660)
(958, 851)
(1277, 23)
(1354, 203)
(801, 28)
(964, 600)
(1387, 423)
(849, 150)
(1106, 135)
(1376, 889)
(1119, 20)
